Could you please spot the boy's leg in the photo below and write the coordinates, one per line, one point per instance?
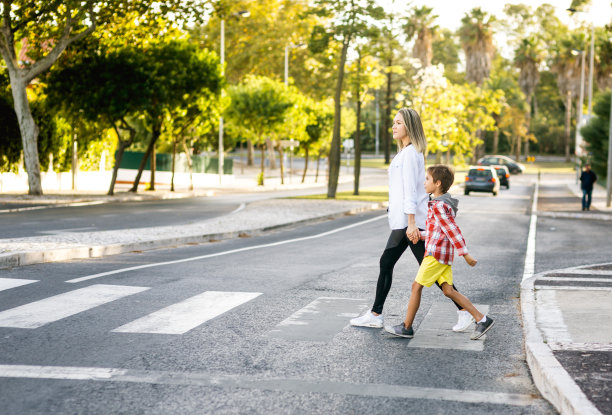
(462, 300)
(413, 304)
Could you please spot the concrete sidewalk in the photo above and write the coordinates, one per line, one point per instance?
(567, 340)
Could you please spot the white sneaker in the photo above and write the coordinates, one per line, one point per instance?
(464, 320)
(368, 320)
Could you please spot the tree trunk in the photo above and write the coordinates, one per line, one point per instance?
(153, 167)
(154, 136)
(528, 122)
(250, 153)
(263, 154)
(173, 164)
(280, 160)
(495, 140)
(334, 152)
(387, 117)
(568, 116)
(518, 148)
(189, 164)
(29, 135)
(121, 146)
(305, 163)
(317, 171)
(271, 156)
(357, 144)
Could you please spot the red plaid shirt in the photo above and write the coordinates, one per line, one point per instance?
(443, 234)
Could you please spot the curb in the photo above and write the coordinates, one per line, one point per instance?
(549, 376)
(18, 259)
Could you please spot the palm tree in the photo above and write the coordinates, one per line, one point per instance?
(567, 68)
(527, 58)
(420, 23)
(476, 34)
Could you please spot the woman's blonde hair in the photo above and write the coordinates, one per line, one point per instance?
(414, 129)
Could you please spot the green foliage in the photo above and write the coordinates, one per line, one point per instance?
(596, 134)
(10, 138)
(259, 106)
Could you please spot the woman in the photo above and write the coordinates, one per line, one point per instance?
(406, 213)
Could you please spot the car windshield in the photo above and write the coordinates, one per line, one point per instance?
(480, 173)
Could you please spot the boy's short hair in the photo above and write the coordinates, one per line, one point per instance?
(442, 173)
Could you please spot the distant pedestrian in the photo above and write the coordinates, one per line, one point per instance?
(406, 214)
(442, 236)
(587, 180)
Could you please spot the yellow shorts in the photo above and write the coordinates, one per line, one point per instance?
(431, 271)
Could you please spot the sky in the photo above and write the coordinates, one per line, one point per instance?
(450, 12)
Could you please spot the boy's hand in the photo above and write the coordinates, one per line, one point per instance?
(470, 260)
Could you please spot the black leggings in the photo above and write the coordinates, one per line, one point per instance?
(396, 245)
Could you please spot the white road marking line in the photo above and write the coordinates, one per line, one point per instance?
(68, 230)
(531, 239)
(8, 283)
(578, 272)
(39, 313)
(581, 347)
(320, 320)
(181, 317)
(293, 385)
(570, 287)
(584, 279)
(233, 251)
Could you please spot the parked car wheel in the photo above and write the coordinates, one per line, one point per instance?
(466, 192)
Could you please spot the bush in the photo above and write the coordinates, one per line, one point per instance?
(596, 134)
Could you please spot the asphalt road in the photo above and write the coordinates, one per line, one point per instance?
(260, 325)
(123, 215)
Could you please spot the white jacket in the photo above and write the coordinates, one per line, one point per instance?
(406, 189)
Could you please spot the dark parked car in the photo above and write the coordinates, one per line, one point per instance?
(481, 179)
(513, 166)
(504, 176)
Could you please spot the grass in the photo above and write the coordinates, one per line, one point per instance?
(371, 194)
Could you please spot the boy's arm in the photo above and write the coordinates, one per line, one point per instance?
(451, 230)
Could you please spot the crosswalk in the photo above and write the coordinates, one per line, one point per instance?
(318, 321)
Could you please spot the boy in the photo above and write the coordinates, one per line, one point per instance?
(442, 235)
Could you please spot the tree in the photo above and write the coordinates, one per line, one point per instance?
(47, 28)
(364, 75)
(596, 134)
(350, 21)
(527, 58)
(318, 129)
(567, 68)
(420, 22)
(111, 88)
(259, 106)
(178, 73)
(446, 51)
(476, 33)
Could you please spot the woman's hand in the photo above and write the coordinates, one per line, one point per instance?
(413, 234)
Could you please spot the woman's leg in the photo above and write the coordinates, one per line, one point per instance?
(387, 261)
(461, 299)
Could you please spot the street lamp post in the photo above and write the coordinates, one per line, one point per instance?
(287, 49)
(609, 170)
(220, 164)
(578, 140)
(242, 13)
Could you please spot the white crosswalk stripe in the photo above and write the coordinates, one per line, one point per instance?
(181, 317)
(8, 283)
(39, 313)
